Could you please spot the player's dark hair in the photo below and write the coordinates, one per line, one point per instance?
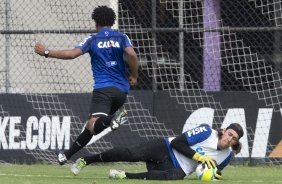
(220, 133)
(237, 128)
(238, 146)
(104, 16)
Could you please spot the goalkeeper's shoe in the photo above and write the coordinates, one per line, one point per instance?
(62, 159)
(119, 118)
(78, 166)
(117, 174)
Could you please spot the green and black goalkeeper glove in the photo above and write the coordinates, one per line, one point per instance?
(204, 160)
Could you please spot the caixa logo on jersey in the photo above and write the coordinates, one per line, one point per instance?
(108, 44)
(34, 133)
(259, 133)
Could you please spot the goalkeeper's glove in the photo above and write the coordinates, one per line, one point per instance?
(204, 160)
(218, 175)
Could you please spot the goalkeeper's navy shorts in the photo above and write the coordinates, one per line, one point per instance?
(106, 101)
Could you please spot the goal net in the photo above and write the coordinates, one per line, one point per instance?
(196, 58)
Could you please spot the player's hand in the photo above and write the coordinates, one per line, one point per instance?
(39, 48)
(204, 160)
(218, 175)
(132, 81)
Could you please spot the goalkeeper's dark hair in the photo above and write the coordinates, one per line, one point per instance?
(104, 16)
(238, 146)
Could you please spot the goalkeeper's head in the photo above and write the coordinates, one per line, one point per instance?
(230, 136)
(104, 16)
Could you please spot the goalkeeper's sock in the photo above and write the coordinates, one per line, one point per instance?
(79, 143)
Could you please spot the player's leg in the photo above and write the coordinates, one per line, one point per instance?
(164, 170)
(150, 151)
(99, 120)
(159, 165)
(116, 154)
(114, 100)
(153, 151)
(172, 174)
(120, 114)
(113, 155)
(104, 101)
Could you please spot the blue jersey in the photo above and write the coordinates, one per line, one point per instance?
(106, 51)
(203, 140)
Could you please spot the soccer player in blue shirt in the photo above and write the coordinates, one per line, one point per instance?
(106, 49)
(173, 158)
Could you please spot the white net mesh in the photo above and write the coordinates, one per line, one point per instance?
(43, 81)
(272, 8)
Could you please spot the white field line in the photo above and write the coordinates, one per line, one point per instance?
(50, 176)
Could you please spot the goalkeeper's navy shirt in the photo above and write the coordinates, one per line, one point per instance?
(106, 51)
(203, 140)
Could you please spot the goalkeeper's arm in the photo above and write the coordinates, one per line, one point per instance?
(181, 145)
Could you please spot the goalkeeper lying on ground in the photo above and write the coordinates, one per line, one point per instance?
(174, 158)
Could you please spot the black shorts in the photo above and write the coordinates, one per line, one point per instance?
(154, 153)
(106, 101)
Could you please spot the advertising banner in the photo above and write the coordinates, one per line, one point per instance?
(30, 131)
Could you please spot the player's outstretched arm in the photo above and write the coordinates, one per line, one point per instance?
(41, 50)
(181, 144)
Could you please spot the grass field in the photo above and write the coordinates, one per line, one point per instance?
(55, 174)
